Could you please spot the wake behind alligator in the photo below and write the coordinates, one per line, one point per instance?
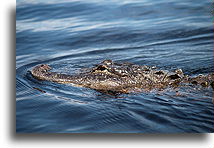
(123, 77)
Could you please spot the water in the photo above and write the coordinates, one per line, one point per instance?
(70, 35)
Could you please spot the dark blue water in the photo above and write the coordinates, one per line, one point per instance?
(70, 35)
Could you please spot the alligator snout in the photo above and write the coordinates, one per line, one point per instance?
(44, 67)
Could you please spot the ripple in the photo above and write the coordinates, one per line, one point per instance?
(77, 34)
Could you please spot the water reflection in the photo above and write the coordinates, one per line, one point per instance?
(70, 35)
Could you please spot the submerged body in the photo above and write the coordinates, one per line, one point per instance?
(122, 77)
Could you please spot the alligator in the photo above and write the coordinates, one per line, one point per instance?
(109, 76)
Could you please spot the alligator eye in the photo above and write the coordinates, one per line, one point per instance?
(159, 73)
(101, 68)
(173, 77)
(204, 84)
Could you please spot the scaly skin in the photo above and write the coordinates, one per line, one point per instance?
(122, 77)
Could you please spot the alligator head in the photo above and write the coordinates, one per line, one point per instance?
(116, 77)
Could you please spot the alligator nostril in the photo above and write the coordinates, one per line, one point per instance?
(107, 62)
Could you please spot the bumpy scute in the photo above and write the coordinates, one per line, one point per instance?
(122, 77)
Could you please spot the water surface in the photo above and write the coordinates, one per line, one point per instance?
(70, 35)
